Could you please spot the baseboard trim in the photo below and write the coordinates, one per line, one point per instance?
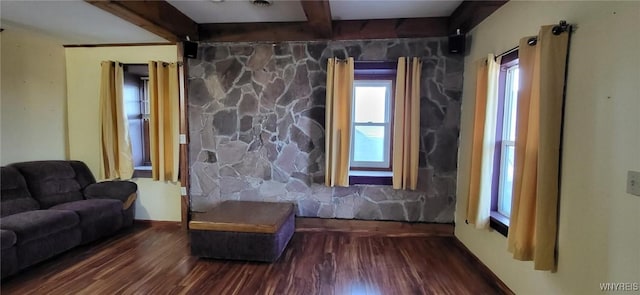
(156, 223)
(488, 275)
(374, 227)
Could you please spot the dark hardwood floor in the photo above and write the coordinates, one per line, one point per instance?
(155, 260)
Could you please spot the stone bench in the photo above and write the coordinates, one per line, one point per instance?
(242, 230)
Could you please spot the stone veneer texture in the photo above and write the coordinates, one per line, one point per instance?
(256, 120)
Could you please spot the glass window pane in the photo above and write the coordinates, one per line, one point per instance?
(368, 143)
(506, 178)
(370, 104)
(514, 102)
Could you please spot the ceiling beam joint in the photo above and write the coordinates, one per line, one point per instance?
(471, 13)
(319, 17)
(158, 17)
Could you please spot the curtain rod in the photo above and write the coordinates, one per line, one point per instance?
(532, 41)
(558, 29)
(374, 61)
(507, 52)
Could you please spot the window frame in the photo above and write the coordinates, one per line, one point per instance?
(142, 168)
(505, 138)
(376, 70)
(388, 124)
(145, 106)
(497, 220)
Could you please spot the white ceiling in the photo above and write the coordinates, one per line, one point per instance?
(73, 22)
(240, 11)
(77, 22)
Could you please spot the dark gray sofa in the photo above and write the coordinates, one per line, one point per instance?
(48, 207)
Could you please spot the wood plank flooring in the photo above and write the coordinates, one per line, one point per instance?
(155, 260)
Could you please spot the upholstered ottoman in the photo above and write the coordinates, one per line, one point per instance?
(239, 230)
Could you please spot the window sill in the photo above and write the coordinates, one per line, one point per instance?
(499, 222)
(370, 177)
(142, 172)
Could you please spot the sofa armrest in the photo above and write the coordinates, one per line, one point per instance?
(125, 191)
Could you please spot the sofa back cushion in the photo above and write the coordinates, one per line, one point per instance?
(83, 174)
(15, 196)
(55, 182)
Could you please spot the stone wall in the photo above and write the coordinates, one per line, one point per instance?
(256, 117)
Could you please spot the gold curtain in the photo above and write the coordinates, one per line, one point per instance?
(338, 121)
(483, 141)
(117, 161)
(534, 212)
(164, 123)
(475, 169)
(406, 124)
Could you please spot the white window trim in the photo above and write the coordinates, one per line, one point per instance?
(503, 174)
(506, 141)
(146, 103)
(387, 124)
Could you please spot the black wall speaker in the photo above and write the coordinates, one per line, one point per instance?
(190, 49)
(457, 43)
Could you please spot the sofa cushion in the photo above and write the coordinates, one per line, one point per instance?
(125, 191)
(46, 247)
(32, 225)
(90, 210)
(51, 182)
(83, 174)
(15, 196)
(7, 239)
(98, 218)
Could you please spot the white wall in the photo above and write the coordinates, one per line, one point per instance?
(33, 97)
(599, 230)
(156, 200)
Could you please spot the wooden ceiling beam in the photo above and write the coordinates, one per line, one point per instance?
(342, 30)
(158, 17)
(470, 13)
(391, 28)
(162, 19)
(318, 16)
(257, 32)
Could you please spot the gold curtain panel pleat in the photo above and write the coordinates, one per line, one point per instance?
(475, 169)
(406, 124)
(164, 121)
(117, 160)
(338, 121)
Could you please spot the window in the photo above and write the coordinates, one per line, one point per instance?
(372, 113)
(371, 144)
(507, 142)
(504, 158)
(136, 104)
